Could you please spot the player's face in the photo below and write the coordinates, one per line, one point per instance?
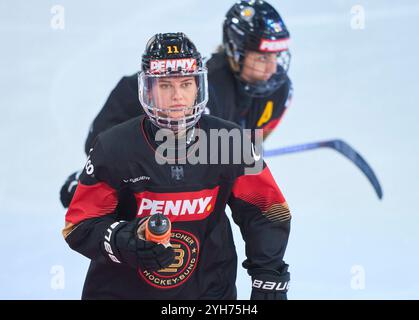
(258, 66)
(174, 94)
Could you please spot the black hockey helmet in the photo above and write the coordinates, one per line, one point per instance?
(172, 66)
(256, 26)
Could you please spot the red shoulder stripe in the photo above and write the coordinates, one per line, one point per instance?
(260, 190)
(91, 202)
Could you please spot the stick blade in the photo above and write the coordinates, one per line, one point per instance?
(346, 150)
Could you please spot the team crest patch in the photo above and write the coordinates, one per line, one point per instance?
(186, 247)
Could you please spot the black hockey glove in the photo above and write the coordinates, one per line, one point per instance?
(122, 245)
(269, 284)
(69, 188)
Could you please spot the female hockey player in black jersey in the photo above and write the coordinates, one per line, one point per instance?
(201, 261)
(248, 82)
(247, 77)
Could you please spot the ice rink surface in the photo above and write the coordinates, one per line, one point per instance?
(360, 85)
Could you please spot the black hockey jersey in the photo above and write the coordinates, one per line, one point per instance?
(225, 101)
(122, 180)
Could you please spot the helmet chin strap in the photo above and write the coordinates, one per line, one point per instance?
(190, 135)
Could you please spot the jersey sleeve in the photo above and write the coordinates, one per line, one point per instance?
(261, 211)
(91, 211)
(121, 105)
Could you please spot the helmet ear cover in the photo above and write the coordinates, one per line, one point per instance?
(235, 66)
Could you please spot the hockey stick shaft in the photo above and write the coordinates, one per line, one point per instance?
(339, 146)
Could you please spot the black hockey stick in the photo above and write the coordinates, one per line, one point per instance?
(341, 147)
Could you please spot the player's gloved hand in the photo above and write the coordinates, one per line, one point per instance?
(137, 253)
(269, 284)
(69, 188)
